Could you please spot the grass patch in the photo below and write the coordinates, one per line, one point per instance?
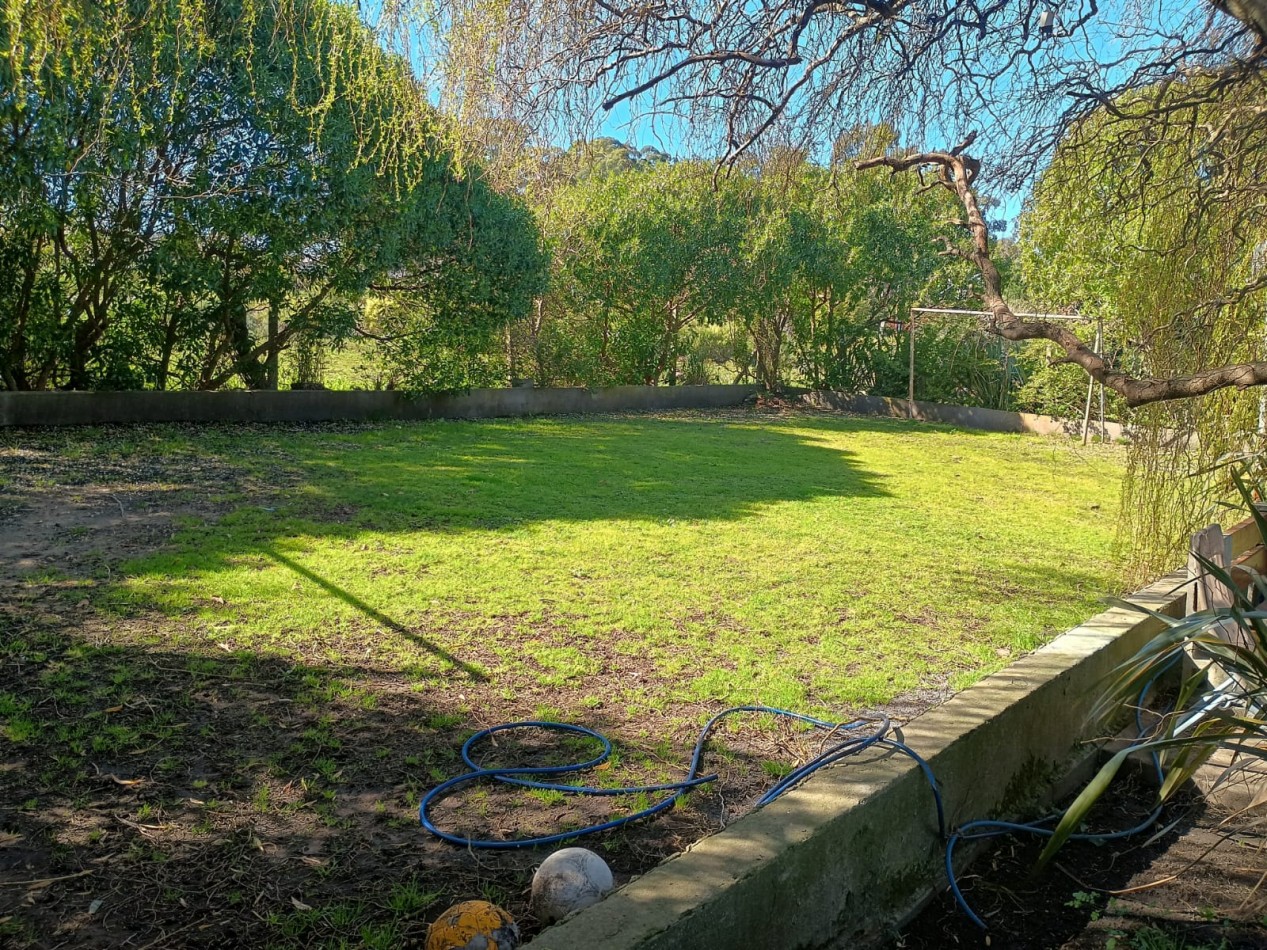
(232, 669)
(810, 561)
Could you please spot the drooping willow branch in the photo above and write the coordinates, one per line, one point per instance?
(956, 172)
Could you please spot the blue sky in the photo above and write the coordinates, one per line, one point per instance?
(1099, 42)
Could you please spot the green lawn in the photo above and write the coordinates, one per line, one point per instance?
(815, 562)
(232, 659)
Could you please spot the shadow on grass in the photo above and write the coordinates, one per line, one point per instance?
(490, 475)
(177, 799)
(245, 491)
(457, 475)
(180, 800)
(215, 797)
(377, 616)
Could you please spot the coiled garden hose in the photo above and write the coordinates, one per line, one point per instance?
(877, 734)
(861, 734)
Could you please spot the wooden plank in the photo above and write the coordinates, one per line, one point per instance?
(1207, 592)
(1244, 535)
(1254, 559)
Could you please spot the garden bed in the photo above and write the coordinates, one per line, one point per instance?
(1195, 883)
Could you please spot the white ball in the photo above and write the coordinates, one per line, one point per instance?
(567, 881)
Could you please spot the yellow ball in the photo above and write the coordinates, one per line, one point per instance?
(473, 925)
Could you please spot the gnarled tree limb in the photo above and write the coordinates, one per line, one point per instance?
(956, 172)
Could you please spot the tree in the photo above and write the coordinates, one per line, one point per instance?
(1162, 276)
(783, 271)
(186, 189)
(641, 255)
(804, 71)
(435, 318)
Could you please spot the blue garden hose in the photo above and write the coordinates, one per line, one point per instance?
(1044, 827)
(878, 735)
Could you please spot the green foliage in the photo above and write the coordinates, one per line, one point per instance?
(956, 362)
(1145, 227)
(188, 188)
(1220, 656)
(436, 325)
(802, 264)
(640, 256)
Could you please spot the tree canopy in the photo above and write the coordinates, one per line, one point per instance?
(1103, 78)
(189, 188)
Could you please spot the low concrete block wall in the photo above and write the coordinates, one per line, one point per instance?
(104, 408)
(854, 852)
(970, 417)
(79, 408)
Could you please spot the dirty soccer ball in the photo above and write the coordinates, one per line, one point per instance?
(569, 880)
(473, 925)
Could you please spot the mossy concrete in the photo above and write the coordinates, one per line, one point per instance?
(97, 408)
(968, 417)
(850, 855)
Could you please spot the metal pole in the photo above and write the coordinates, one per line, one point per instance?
(1086, 415)
(910, 379)
(1100, 334)
(1005, 399)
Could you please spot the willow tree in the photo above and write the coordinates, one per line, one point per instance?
(188, 188)
(1172, 278)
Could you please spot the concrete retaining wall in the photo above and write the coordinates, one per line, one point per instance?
(79, 408)
(853, 853)
(970, 417)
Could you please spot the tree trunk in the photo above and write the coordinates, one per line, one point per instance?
(270, 367)
(165, 355)
(538, 353)
(956, 172)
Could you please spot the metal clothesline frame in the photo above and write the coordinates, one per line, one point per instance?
(989, 313)
(1099, 337)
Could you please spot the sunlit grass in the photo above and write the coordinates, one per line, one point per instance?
(811, 561)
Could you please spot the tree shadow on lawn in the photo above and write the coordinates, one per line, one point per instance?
(238, 488)
(170, 798)
(456, 475)
(490, 475)
(378, 616)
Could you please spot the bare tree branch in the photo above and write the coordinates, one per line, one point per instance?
(955, 172)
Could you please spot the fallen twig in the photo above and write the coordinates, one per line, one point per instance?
(47, 880)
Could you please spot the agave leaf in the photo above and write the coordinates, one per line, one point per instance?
(1179, 774)
(1096, 788)
(1127, 681)
(1246, 665)
(1082, 804)
(1224, 576)
(1248, 496)
(1250, 749)
(1258, 585)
